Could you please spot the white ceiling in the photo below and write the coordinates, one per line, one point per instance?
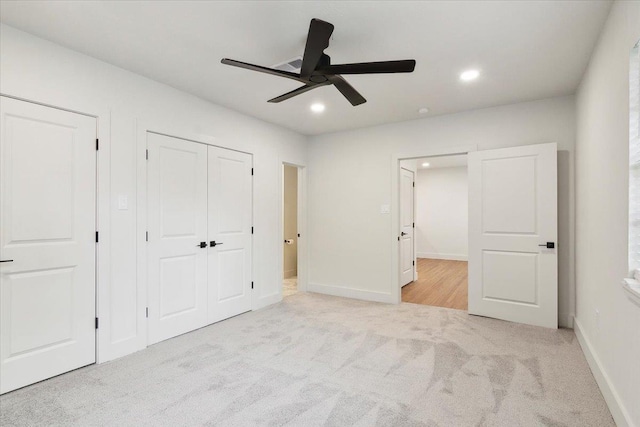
(525, 49)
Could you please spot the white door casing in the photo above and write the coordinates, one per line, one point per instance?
(177, 224)
(47, 227)
(512, 211)
(406, 226)
(229, 219)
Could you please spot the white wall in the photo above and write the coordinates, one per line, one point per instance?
(290, 255)
(350, 177)
(612, 339)
(442, 213)
(34, 69)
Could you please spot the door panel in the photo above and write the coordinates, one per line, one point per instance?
(406, 226)
(177, 222)
(230, 217)
(512, 211)
(47, 227)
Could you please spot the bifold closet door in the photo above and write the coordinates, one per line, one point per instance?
(229, 233)
(47, 242)
(177, 226)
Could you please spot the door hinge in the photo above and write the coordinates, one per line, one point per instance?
(398, 238)
(97, 144)
(97, 239)
(146, 235)
(298, 234)
(96, 323)
(251, 171)
(414, 183)
(147, 312)
(414, 263)
(251, 285)
(414, 225)
(147, 154)
(251, 230)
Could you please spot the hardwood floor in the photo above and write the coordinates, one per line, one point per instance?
(442, 283)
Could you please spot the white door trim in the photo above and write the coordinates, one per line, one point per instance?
(396, 289)
(303, 253)
(142, 129)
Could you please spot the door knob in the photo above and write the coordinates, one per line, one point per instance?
(549, 245)
(403, 233)
(213, 244)
(202, 245)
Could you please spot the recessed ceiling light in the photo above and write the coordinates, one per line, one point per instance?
(469, 75)
(317, 108)
(425, 165)
(423, 110)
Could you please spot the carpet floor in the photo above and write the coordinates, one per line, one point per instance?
(321, 360)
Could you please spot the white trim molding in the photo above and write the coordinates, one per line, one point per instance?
(632, 286)
(341, 291)
(620, 414)
(452, 257)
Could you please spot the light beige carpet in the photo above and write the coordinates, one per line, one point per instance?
(320, 360)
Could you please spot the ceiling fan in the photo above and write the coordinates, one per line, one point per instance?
(316, 69)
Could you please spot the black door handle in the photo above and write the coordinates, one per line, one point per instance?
(213, 244)
(6, 260)
(202, 245)
(403, 233)
(549, 245)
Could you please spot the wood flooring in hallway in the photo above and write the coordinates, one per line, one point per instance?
(441, 283)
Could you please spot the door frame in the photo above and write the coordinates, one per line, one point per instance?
(142, 129)
(102, 223)
(303, 254)
(396, 289)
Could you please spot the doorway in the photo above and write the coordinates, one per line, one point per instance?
(434, 232)
(512, 231)
(290, 230)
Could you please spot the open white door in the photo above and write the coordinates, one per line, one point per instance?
(229, 254)
(47, 242)
(406, 227)
(513, 275)
(177, 248)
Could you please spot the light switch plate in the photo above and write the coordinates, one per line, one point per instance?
(123, 203)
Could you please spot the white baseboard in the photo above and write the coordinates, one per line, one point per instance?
(453, 257)
(620, 414)
(340, 291)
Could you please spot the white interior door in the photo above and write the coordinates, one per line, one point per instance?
(407, 259)
(229, 233)
(512, 215)
(177, 225)
(47, 238)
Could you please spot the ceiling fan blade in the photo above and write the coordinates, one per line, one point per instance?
(404, 66)
(347, 90)
(317, 42)
(296, 92)
(261, 69)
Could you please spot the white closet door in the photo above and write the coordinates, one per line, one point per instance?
(513, 227)
(229, 233)
(47, 242)
(407, 267)
(177, 225)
